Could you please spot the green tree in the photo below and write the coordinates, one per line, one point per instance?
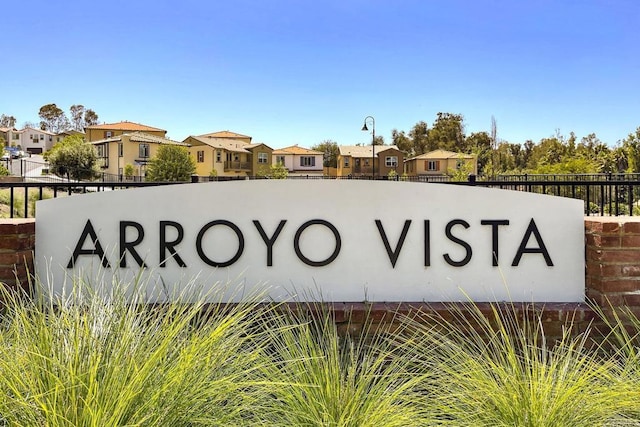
(462, 172)
(419, 138)
(129, 170)
(53, 118)
(90, 118)
(631, 147)
(447, 133)
(479, 144)
(278, 171)
(403, 142)
(7, 121)
(82, 117)
(330, 150)
(378, 140)
(171, 163)
(73, 158)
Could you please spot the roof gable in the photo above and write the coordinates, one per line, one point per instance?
(126, 126)
(442, 154)
(141, 137)
(221, 143)
(225, 134)
(296, 150)
(363, 150)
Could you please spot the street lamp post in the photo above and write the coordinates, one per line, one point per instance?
(373, 143)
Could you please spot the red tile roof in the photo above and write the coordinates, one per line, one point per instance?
(125, 126)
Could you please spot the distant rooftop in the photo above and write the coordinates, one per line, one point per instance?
(125, 126)
(224, 134)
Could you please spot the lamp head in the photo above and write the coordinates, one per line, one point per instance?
(364, 127)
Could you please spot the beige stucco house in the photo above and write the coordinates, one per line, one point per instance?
(299, 160)
(440, 162)
(135, 149)
(228, 154)
(110, 130)
(363, 160)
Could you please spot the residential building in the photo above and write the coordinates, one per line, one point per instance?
(229, 154)
(11, 136)
(110, 130)
(36, 141)
(299, 160)
(361, 160)
(135, 149)
(440, 162)
(62, 135)
(226, 134)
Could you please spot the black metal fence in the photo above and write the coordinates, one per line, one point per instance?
(604, 195)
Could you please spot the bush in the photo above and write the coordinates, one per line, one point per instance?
(102, 357)
(73, 158)
(171, 163)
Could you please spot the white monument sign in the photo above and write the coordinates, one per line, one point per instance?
(339, 240)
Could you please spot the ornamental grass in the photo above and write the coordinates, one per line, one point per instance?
(107, 358)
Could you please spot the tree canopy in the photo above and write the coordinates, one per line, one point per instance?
(171, 163)
(73, 158)
(330, 150)
(556, 154)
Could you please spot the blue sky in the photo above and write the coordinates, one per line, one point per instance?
(300, 72)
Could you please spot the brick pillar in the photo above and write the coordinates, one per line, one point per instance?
(17, 243)
(613, 261)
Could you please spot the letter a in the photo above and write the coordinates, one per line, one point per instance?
(541, 249)
(96, 250)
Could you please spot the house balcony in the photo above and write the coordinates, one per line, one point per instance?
(237, 166)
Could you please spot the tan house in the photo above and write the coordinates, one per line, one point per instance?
(439, 163)
(299, 160)
(11, 136)
(363, 160)
(228, 154)
(135, 149)
(110, 130)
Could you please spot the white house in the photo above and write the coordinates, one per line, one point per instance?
(299, 160)
(36, 141)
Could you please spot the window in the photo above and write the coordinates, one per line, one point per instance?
(262, 157)
(307, 161)
(41, 137)
(280, 160)
(218, 156)
(102, 150)
(391, 161)
(143, 150)
(16, 136)
(108, 134)
(120, 150)
(50, 138)
(200, 156)
(346, 162)
(432, 165)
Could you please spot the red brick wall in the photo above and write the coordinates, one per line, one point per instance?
(612, 255)
(613, 260)
(17, 241)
